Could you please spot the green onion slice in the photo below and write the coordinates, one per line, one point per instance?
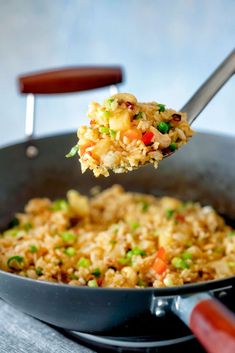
(74, 150)
(96, 272)
(15, 262)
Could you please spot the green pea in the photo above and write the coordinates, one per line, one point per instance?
(173, 146)
(123, 261)
(177, 262)
(33, 249)
(162, 107)
(92, 283)
(83, 262)
(134, 225)
(68, 237)
(60, 205)
(163, 127)
(169, 213)
(135, 251)
(70, 251)
(187, 255)
(104, 130)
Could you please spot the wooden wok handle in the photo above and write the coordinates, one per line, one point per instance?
(68, 80)
(214, 326)
(211, 322)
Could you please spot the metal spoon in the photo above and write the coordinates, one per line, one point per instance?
(208, 90)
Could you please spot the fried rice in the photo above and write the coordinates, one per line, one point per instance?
(118, 239)
(125, 134)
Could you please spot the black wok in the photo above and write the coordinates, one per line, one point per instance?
(203, 170)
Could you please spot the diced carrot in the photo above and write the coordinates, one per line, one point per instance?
(159, 266)
(161, 254)
(147, 138)
(83, 148)
(133, 134)
(180, 218)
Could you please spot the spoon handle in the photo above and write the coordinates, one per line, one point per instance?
(209, 89)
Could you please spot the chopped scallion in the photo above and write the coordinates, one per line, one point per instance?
(110, 100)
(74, 150)
(15, 262)
(39, 271)
(96, 272)
(138, 116)
(112, 133)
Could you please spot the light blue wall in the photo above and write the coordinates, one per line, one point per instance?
(166, 47)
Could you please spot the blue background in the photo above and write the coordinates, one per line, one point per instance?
(168, 48)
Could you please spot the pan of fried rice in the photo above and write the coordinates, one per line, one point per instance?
(92, 256)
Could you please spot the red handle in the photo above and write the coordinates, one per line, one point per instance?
(67, 80)
(214, 326)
